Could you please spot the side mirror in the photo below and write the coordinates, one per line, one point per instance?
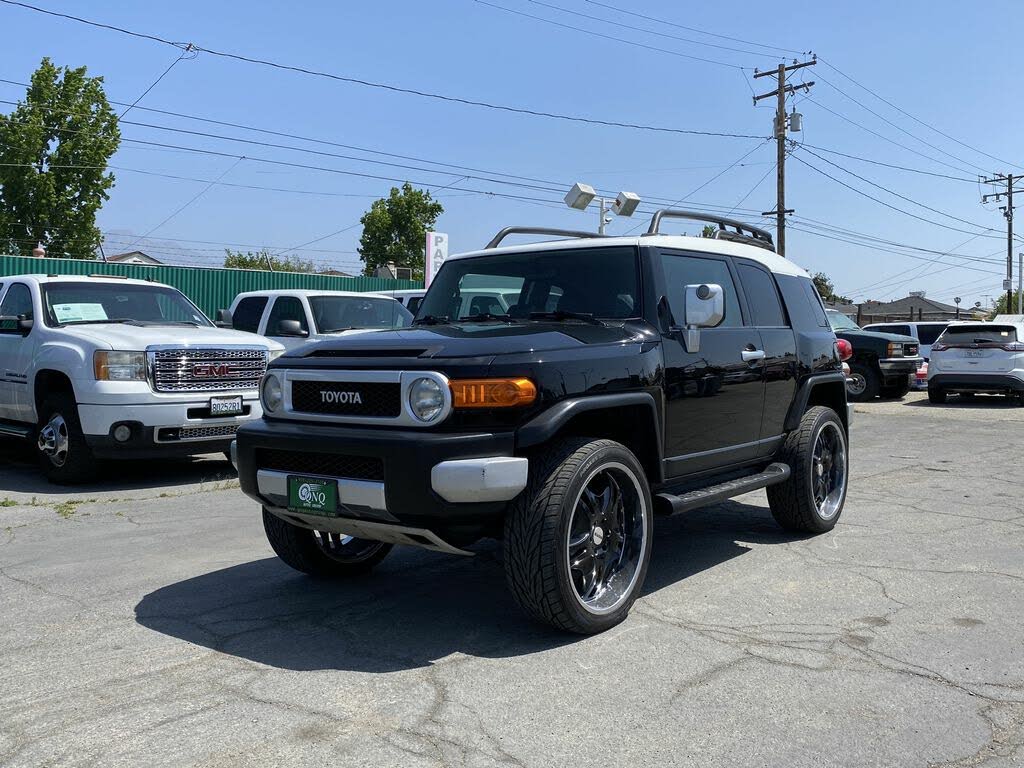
(25, 326)
(224, 319)
(15, 324)
(291, 328)
(704, 307)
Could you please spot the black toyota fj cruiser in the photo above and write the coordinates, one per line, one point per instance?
(625, 377)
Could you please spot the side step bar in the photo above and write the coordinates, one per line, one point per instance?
(15, 430)
(774, 473)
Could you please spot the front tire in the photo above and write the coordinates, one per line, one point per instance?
(863, 383)
(64, 456)
(896, 391)
(578, 540)
(812, 499)
(322, 555)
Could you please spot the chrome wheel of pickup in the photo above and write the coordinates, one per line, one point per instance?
(53, 440)
(607, 537)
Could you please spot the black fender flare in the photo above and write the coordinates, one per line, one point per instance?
(546, 425)
(803, 395)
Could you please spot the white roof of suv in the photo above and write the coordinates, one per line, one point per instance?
(771, 260)
(44, 279)
(308, 293)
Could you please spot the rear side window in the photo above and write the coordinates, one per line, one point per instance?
(762, 296)
(286, 308)
(413, 303)
(803, 304)
(927, 334)
(247, 314)
(902, 330)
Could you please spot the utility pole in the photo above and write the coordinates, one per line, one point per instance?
(779, 125)
(1009, 180)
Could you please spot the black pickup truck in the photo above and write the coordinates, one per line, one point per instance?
(630, 376)
(883, 364)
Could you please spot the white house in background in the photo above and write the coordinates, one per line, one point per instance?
(132, 257)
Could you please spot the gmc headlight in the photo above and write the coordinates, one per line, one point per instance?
(275, 353)
(426, 399)
(119, 366)
(271, 393)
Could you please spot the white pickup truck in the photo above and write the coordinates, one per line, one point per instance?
(100, 367)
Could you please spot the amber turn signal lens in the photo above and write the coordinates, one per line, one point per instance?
(492, 393)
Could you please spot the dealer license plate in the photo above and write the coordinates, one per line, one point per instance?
(974, 353)
(226, 406)
(312, 495)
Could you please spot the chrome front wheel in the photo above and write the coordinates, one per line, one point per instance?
(53, 440)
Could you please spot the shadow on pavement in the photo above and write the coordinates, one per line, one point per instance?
(21, 474)
(976, 402)
(416, 608)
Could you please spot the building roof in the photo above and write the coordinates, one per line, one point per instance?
(133, 257)
(904, 305)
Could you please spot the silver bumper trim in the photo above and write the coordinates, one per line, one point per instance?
(495, 478)
(356, 494)
(367, 529)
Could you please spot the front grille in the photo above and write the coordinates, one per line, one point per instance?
(340, 398)
(330, 464)
(174, 434)
(207, 370)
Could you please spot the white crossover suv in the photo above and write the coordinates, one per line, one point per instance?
(978, 357)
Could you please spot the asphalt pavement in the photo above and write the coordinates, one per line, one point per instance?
(144, 621)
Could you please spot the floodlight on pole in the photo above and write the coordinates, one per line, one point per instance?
(582, 195)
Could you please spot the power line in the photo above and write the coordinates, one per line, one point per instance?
(154, 84)
(690, 29)
(891, 192)
(891, 165)
(383, 86)
(752, 189)
(882, 202)
(604, 36)
(915, 119)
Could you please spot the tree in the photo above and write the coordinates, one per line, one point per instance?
(827, 290)
(263, 259)
(1000, 307)
(395, 229)
(709, 230)
(54, 149)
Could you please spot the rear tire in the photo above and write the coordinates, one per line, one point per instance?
(812, 499)
(64, 456)
(578, 540)
(321, 555)
(936, 396)
(863, 384)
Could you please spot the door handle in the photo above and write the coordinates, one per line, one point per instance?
(752, 355)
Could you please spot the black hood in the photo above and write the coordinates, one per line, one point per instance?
(476, 340)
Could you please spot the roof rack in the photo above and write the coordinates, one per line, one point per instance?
(745, 233)
(537, 231)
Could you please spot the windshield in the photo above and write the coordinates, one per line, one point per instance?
(979, 334)
(341, 313)
(129, 303)
(590, 282)
(840, 322)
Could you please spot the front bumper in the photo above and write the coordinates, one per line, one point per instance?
(163, 428)
(979, 382)
(893, 366)
(455, 484)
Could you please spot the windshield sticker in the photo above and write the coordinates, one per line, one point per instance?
(71, 313)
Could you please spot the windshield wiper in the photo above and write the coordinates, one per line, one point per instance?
(560, 314)
(339, 330)
(120, 320)
(431, 320)
(480, 317)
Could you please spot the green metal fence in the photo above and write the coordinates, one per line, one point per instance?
(210, 289)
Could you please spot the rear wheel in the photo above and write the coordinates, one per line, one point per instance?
(578, 540)
(863, 383)
(320, 554)
(936, 396)
(64, 456)
(812, 499)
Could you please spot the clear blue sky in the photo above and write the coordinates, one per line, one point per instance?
(943, 62)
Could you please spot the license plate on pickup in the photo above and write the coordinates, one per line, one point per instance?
(226, 406)
(312, 495)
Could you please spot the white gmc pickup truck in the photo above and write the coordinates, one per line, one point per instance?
(100, 367)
